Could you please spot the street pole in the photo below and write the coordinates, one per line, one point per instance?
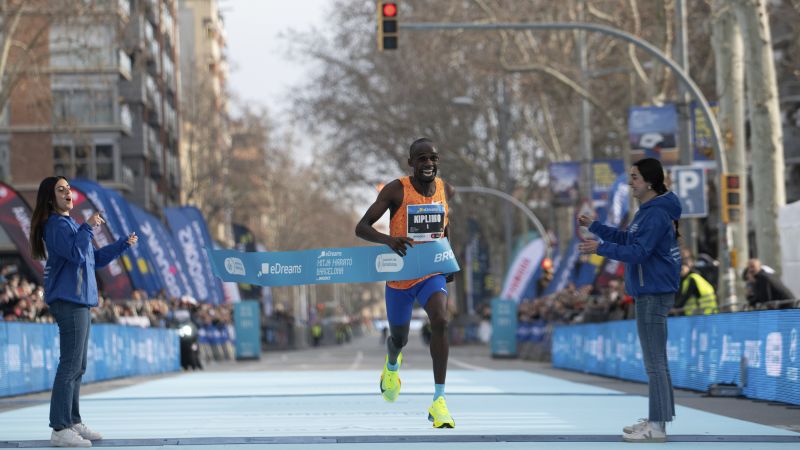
(684, 115)
(512, 201)
(503, 124)
(725, 237)
(586, 116)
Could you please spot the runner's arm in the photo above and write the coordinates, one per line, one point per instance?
(390, 196)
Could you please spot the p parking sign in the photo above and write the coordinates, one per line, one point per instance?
(689, 183)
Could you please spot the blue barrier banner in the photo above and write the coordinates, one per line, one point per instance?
(191, 234)
(29, 354)
(702, 350)
(247, 323)
(333, 265)
(504, 327)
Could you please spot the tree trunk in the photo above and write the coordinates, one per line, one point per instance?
(766, 141)
(729, 63)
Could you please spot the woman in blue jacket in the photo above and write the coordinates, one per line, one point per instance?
(649, 248)
(70, 290)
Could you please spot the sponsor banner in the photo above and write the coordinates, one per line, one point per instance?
(563, 273)
(604, 175)
(522, 269)
(504, 328)
(30, 351)
(15, 218)
(247, 323)
(653, 132)
(564, 183)
(757, 350)
(116, 213)
(703, 139)
(333, 265)
(114, 280)
(168, 265)
(191, 234)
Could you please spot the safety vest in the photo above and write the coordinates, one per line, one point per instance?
(706, 304)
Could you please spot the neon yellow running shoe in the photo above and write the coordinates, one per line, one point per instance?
(440, 415)
(390, 380)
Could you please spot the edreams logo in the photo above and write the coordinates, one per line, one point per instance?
(773, 354)
(234, 266)
(389, 262)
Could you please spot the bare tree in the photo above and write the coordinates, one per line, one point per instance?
(766, 138)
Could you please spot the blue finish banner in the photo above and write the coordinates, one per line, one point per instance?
(29, 354)
(168, 263)
(191, 234)
(758, 350)
(333, 265)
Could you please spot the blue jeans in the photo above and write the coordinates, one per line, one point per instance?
(651, 323)
(73, 331)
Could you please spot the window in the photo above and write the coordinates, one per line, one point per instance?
(4, 161)
(86, 46)
(83, 107)
(84, 161)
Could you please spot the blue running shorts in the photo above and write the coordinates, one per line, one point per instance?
(400, 302)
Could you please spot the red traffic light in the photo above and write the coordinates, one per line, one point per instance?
(389, 9)
(732, 181)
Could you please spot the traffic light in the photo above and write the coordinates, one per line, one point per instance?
(387, 25)
(731, 198)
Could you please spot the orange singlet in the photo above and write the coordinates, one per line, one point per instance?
(428, 219)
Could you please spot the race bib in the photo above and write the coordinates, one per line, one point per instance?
(425, 222)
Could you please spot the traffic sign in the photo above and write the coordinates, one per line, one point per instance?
(689, 183)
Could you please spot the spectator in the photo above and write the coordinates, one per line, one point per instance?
(696, 296)
(765, 286)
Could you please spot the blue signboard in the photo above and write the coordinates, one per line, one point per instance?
(701, 351)
(689, 184)
(247, 322)
(652, 131)
(504, 328)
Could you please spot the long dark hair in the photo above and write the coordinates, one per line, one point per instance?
(653, 173)
(45, 205)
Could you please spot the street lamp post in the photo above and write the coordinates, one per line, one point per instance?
(725, 236)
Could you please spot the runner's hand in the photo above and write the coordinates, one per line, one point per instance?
(399, 244)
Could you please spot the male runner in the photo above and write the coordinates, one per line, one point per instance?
(418, 211)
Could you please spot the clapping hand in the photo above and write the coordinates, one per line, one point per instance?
(133, 239)
(95, 220)
(588, 247)
(584, 220)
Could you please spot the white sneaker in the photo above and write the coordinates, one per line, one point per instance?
(68, 438)
(647, 433)
(86, 432)
(631, 428)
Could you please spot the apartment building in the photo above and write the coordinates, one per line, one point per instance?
(100, 101)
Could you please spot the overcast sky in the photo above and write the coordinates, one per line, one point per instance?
(260, 71)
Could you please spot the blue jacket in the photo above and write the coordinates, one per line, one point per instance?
(649, 248)
(72, 260)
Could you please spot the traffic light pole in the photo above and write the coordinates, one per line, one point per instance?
(725, 236)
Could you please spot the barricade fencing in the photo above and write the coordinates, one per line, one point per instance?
(756, 350)
(29, 354)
